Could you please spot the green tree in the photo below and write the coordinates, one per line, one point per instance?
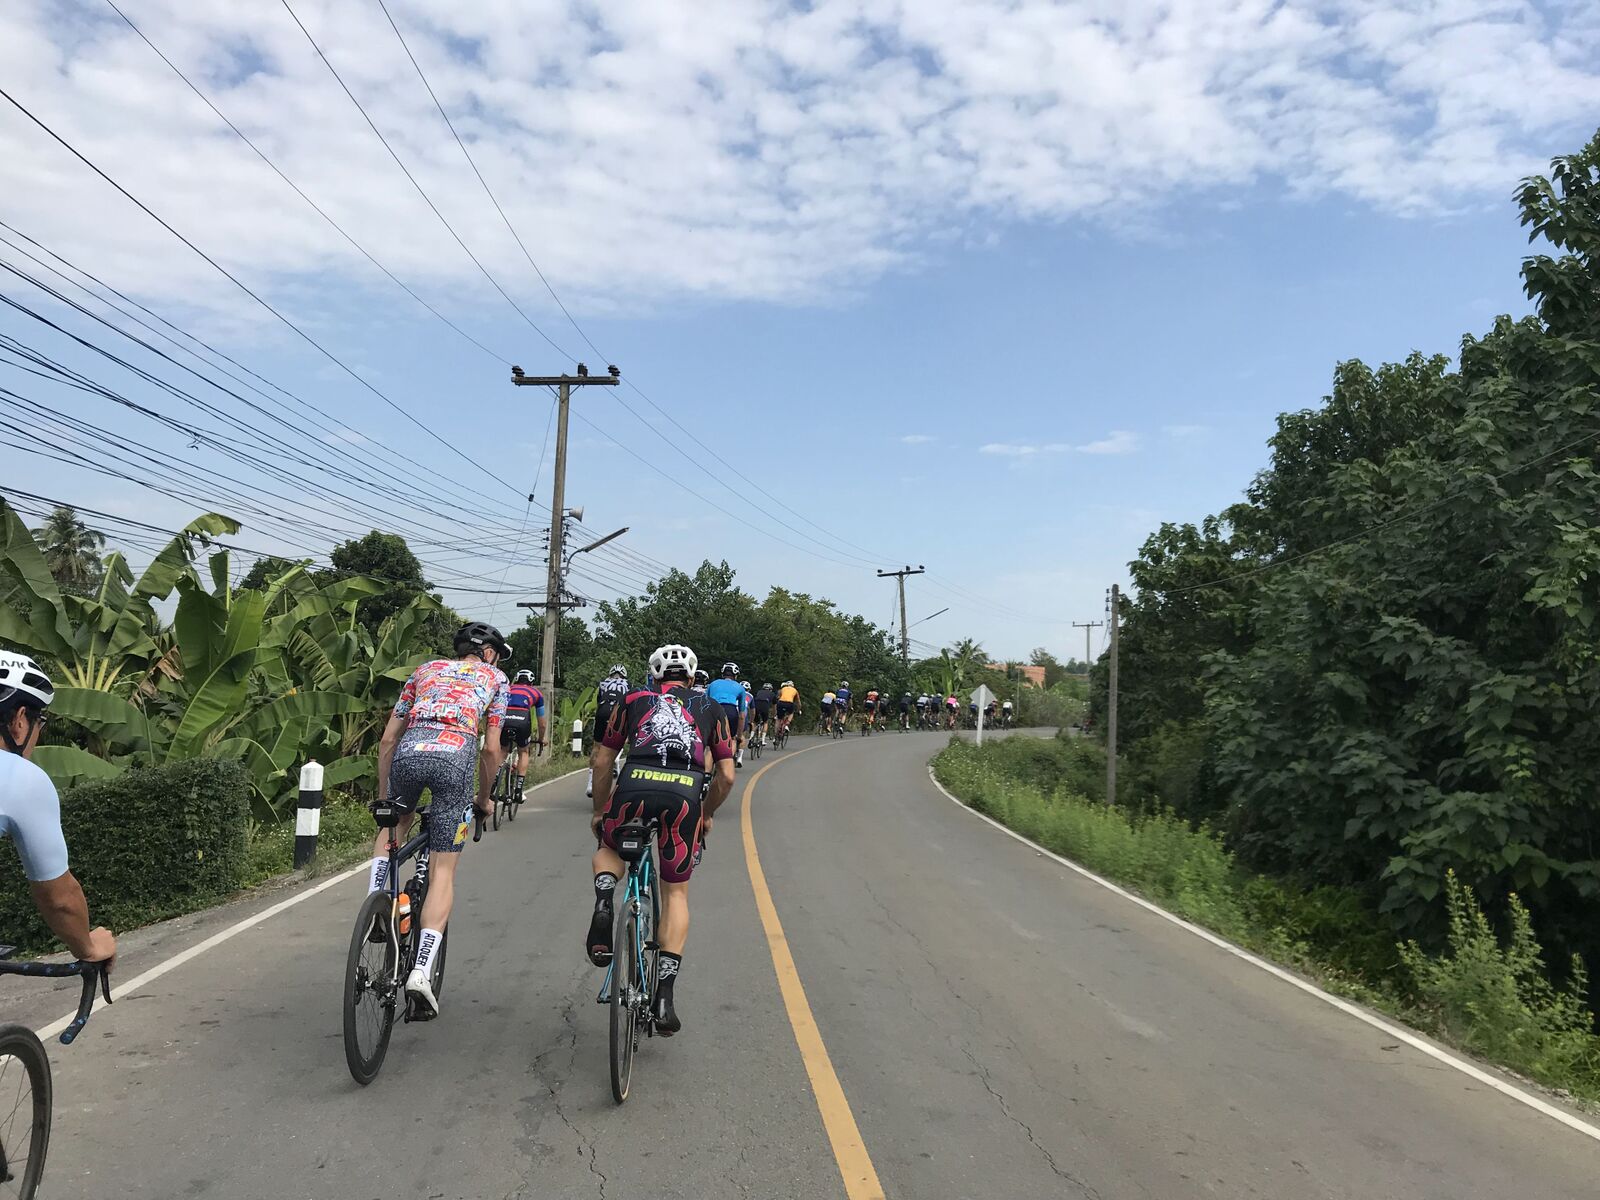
(71, 550)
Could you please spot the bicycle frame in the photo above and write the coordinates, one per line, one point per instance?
(416, 846)
(641, 879)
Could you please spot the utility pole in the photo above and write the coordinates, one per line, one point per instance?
(1088, 628)
(1113, 618)
(900, 580)
(552, 588)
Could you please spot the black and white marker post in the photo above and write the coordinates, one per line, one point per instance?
(577, 735)
(308, 818)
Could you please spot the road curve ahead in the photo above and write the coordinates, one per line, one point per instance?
(996, 1026)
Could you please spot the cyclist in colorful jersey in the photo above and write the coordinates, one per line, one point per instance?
(524, 702)
(30, 812)
(431, 741)
(675, 740)
(788, 703)
(701, 679)
(869, 708)
(841, 702)
(735, 702)
(610, 693)
(952, 706)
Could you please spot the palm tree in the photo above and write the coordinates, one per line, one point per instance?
(966, 660)
(71, 550)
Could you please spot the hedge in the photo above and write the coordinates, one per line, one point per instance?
(148, 844)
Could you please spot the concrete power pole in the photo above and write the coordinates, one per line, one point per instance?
(552, 588)
(900, 579)
(1088, 628)
(1113, 618)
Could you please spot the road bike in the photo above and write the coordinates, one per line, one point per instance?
(866, 723)
(629, 988)
(756, 742)
(25, 1076)
(838, 727)
(383, 948)
(781, 738)
(504, 793)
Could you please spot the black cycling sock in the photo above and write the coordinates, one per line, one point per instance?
(604, 884)
(671, 964)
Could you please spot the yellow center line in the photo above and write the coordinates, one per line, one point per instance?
(849, 1151)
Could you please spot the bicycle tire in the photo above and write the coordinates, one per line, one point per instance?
(20, 1043)
(624, 982)
(365, 1062)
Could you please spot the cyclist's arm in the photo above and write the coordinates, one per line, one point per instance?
(603, 758)
(34, 826)
(61, 903)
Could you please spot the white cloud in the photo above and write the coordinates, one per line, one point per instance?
(1015, 450)
(749, 149)
(1118, 441)
(918, 439)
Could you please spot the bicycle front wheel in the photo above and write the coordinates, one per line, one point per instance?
(625, 986)
(25, 1130)
(369, 990)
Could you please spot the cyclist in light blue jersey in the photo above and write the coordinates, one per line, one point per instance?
(729, 692)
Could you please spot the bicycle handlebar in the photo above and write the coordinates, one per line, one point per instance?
(92, 972)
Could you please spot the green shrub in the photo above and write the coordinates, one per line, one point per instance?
(1498, 999)
(148, 844)
(346, 827)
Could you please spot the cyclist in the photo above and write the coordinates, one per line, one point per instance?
(524, 702)
(869, 708)
(431, 741)
(762, 702)
(788, 703)
(841, 703)
(922, 710)
(613, 690)
(905, 710)
(1005, 714)
(972, 714)
(676, 740)
(701, 682)
(951, 707)
(735, 703)
(30, 812)
(826, 716)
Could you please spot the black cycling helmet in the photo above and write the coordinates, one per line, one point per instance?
(475, 635)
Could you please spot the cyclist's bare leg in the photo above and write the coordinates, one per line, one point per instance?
(674, 916)
(608, 861)
(441, 890)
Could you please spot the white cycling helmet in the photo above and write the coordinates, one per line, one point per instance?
(674, 657)
(618, 671)
(22, 681)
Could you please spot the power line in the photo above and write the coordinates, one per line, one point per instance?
(301, 333)
(261, 154)
(426, 198)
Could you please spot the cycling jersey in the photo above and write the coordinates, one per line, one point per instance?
(525, 695)
(30, 815)
(675, 728)
(923, 701)
(454, 694)
(871, 701)
(788, 695)
(842, 698)
(729, 692)
(828, 699)
(763, 700)
(612, 691)
(905, 702)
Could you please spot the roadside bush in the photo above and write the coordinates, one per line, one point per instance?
(1498, 999)
(148, 844)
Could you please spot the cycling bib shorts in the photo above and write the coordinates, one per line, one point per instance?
(442, 761)
(674, 795)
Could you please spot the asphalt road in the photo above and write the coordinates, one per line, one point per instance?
(999, 1026)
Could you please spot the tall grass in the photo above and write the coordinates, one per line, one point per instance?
(1484, 994)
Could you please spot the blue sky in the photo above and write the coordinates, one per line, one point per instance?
(1080, 261)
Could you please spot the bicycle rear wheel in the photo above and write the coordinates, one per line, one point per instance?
(625, 985)
(25, 1130)
(369, 995)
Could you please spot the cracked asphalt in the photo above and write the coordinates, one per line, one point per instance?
(1001, 1027)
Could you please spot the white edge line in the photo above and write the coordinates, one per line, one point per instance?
(1405, 1035)
(177, 960)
